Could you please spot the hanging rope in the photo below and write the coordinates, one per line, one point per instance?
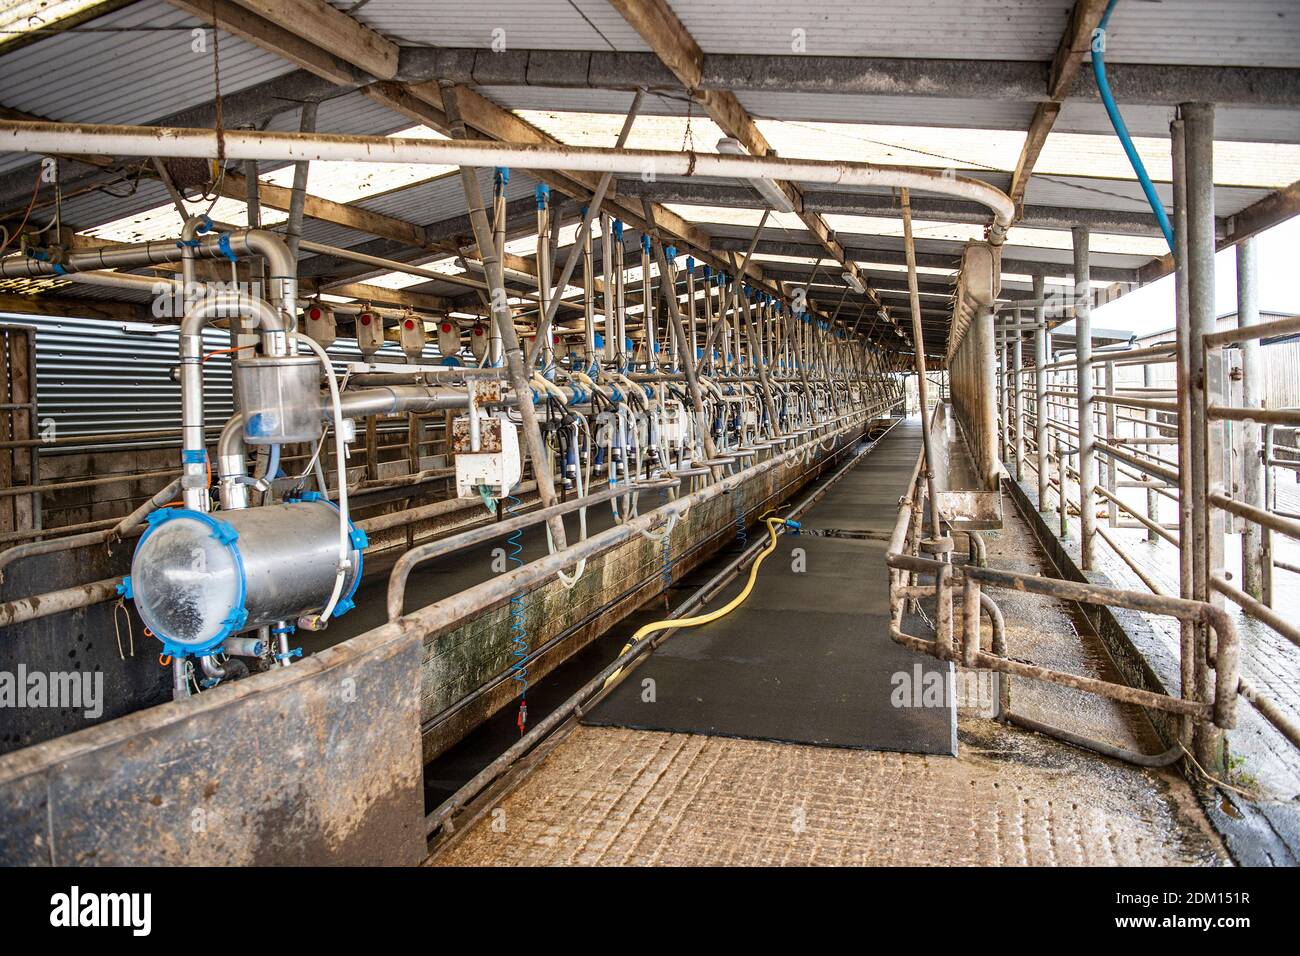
(219, 124)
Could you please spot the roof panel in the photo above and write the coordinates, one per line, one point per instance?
(582, 100)
(518, 24)
(887, 110)
(891, 145)
(136, 65)
(947, 29)
(1235, 163)
(1125, 195)
(1261, 125)
(1207, 32)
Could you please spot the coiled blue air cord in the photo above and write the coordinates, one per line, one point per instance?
(742, 529)
(518, 630)
(1121, 130)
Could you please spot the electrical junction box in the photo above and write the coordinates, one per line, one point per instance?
(495, 465)
(751, 416)
(318, 322)
(412, 337)
(370, 332)
(478, 342)
(448, 338)
(673, 425)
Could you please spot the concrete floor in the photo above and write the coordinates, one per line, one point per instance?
(609, 796)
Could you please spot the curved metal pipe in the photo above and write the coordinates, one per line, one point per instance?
(108, 140)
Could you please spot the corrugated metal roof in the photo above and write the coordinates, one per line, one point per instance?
(1236, 33)
(1125, 195)
(582, 100)
(21, 18)
(523, 24)
(945, 29)
(886, 110)
(1235, 164)
(444, 198)
(1230, 122)
(351, 113)
(136, 65)
(789, 226)
(909, 145)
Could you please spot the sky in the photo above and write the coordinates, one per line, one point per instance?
(1151, 309)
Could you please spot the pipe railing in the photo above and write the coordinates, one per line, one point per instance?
(1147, 449)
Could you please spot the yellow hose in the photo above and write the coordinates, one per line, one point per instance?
(739, 599)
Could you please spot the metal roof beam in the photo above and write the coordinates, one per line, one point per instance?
(869, 204)
(929, 260)
(1016, 81)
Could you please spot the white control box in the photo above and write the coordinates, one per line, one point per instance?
(370, 333)
(412, 337)
(448, 338)
(318, 323)
(495, 465)
(673, 423)
(478, 342)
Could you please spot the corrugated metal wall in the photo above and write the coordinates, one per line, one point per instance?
(94, 377)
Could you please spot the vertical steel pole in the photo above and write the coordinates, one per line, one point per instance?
(1206, 437)
(607, 298)
(1108, 388)
(1183, 390)
(545, 274)
(1083, 364)
(918, 346)
(1254, 551)
(1153, 496)
(1017, 394)
(1040, 391)
(588, 303)
(647, 306)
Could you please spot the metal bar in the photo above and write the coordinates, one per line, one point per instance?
(1203, 437)
(1083, 386)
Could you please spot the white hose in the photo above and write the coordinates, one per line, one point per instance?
(340, 448)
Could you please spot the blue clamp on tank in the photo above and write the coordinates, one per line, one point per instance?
(223, 246)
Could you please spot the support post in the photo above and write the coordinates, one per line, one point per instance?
(918, 346)
(1017, 398)
(1041, 353)
(1204, 437)
(1256, 550)
(1083, 364)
